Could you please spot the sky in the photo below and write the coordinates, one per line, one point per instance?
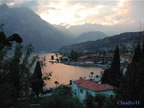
(71, 13)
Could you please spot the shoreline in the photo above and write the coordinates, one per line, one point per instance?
(103, 66)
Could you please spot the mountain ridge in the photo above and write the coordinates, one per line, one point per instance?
(90, 36)
(33, 29)
(126, 41)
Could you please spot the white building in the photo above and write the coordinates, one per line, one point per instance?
(82, 87)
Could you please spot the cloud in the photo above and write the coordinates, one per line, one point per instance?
(78, 12)
(137, 7)
(72, 12)
(25, 3)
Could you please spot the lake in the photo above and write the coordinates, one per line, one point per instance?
(64, 73)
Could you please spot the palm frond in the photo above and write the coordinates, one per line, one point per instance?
(15, 37)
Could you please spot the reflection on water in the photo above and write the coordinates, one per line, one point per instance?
(64, 73)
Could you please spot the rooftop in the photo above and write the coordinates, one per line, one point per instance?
(91, 85)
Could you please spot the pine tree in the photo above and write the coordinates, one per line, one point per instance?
(113, 75)
(137, 53)
(37, 81)
(106, 77)
(73, 55)
(142, 50)
(115, 69)
(132, 83)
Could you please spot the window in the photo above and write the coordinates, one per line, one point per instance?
(87, 92)
(81, 90)
(74, 92)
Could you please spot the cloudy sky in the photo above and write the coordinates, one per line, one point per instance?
(70, 13)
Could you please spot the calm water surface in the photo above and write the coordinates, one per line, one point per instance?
(64, 73)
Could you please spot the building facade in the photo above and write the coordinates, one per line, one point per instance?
(81, 88)
(95, 58)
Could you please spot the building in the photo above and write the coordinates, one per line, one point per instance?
(82, 87)
(95, 58)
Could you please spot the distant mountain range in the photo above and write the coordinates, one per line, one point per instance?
(86, 36)
(90, 36)
(43, 36)
(126, 41)
(46, 37)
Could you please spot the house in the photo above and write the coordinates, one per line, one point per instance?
(87, 59)
(82, 87)
(95, 58)
(64, 59)
(96, 79)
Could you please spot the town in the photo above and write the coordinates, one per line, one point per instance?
(71, 54)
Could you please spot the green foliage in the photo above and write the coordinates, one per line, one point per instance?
(110, 103)
(7, 41)
(74, 55)
(100, 99)
(15, 75)
(61, 98)
(91, 74)
(132, 83)
(14, 72)
(56, 83)
(106, 77)
(94, 101)
(63, 90)
(113, 75)
(90, 102)
(137, 53)
(143, 50)
(37, 81)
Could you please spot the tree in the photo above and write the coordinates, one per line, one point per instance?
(63, 90)
(56, 83)
(73, 55)
(100, 99)
(110, 103)
(9, 70)
(115, 69)
(90, 101)
(14, 74)
(106, 77)
(142, 50)
(132, 83)
(91, 75)
(113, 75)
(62, 98)
(37, 81)
(25, 69)
(7, 41)
(137, 53)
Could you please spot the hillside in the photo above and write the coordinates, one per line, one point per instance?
(90, 36)
(32, 28)
(126, 41)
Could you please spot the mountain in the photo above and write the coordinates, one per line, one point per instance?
(91, 36)
(32, 28)
(108, 29)
(126, 41)
(65, 30)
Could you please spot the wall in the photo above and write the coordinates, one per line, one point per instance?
(82, 92)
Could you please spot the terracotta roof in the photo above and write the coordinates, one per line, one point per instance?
(79, 81)
(91, 85)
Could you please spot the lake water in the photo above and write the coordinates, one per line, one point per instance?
(64, 73)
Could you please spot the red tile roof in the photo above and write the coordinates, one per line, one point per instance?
(79, 81)
(91, 85)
